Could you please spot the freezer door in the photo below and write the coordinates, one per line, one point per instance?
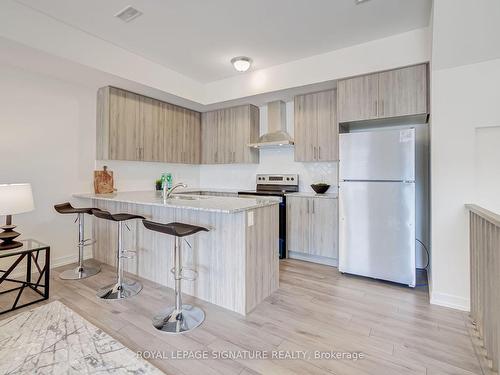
(383, 155)
(377, 230)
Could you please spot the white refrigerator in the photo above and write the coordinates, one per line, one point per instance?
(377, 205)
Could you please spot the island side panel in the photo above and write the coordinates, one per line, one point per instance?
(262, 255)
(218, 255)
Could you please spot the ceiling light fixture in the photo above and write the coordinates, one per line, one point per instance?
(241, 63)
(128, 14)
(360, 1)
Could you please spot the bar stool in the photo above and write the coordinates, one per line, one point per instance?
(123, 288)
(82, 271)
(179, 318)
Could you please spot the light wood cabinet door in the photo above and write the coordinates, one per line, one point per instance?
(245, 130)
(312, 228)
(177, 134)
(298, 224)
(138, 128)
(192, 142)
(403, 91)
(324, 227)
(209, 137)
(225, 141)
(315, 127)
(125, 131)
(305, 129)
(327, 127)
(151, 122)
(358, 98)
(226, 134)
(167, 124)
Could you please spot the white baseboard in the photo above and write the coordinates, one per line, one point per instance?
(55, 262)
(313, 258)
(448, 300)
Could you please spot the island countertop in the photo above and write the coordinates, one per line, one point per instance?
(183, 199)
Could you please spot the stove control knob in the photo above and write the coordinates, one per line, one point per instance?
(292, 178)
(288, 178)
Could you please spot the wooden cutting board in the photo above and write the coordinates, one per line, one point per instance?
(103, 181)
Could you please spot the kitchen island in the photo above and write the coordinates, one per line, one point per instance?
(236, 261)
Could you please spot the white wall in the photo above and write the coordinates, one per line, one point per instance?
(465, 32)
(239, 176)
(465, 100)
(47, 130)
(129, 175)
(487, 167)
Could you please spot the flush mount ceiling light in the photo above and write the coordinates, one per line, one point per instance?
(360, 1)
(128, 14)
(241, 63)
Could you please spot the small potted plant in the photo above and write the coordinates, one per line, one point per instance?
(320, 187)
(158, 184)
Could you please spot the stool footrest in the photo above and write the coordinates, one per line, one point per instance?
(128, 254)
(184, 276)
(86, 243)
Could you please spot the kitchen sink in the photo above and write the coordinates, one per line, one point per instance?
(186, 198)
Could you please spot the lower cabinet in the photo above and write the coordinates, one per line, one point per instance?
(312, 229)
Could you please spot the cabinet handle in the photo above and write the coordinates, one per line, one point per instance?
(381, 107)
(319, 153)
(314, 153)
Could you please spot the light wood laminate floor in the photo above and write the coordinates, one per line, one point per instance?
(315, 309)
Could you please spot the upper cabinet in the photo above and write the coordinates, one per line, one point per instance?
(394, 93)
(138, 128)
(226, 134)
(315, 127)
(403, 91)
(358, 98)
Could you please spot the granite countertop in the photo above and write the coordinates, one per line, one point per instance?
(314, 195)
(188, 201)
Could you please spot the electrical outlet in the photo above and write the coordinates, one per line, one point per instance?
(250, 218)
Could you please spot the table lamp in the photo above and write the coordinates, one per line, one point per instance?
(14, 199)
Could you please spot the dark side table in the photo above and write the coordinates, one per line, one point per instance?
(23, 283)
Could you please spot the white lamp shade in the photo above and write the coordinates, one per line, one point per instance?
(16, 199)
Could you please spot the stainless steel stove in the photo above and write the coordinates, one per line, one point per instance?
(276, 185)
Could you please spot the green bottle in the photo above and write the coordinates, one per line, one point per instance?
(163, 180)
(169, 180)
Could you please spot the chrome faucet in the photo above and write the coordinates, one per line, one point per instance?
(168, 192)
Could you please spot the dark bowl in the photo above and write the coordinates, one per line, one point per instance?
(320, 188)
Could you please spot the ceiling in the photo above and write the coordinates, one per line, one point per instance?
(197, 38)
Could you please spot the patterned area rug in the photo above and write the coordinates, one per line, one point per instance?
(53, 339)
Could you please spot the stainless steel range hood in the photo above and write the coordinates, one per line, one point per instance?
(276, 135)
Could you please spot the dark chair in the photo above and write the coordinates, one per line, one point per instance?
(123, 288)
(179, 318)
(82, 271)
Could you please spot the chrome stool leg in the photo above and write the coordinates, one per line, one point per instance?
(82, 271)
(123, 288)
(179, 318)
